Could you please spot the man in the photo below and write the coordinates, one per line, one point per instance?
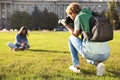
(95, 52)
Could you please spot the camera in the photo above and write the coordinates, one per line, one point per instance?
(68, 20)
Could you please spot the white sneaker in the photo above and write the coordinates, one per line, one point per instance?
(73, 68)
(100, 69)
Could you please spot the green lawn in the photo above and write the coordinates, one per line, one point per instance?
(49, 59)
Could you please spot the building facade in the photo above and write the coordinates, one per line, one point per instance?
(8, 7)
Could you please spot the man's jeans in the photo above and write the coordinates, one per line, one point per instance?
(76, 45)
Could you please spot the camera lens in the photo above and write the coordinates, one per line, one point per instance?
(59, 21)
(68, 20)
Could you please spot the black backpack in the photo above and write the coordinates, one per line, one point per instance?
(100, 30)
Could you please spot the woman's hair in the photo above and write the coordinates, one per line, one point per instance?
(21, 29)
(73, 8)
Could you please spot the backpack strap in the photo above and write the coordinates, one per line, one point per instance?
(88, 35)
(83, 33)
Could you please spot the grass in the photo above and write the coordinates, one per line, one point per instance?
(49, 59)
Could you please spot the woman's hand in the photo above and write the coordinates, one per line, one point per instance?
(23, 43)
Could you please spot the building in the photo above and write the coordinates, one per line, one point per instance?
(8, 7)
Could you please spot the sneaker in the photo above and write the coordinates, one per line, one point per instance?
(75, 69)
(100, 69)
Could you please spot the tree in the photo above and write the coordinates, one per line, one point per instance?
(38, 20)
(15, 20)
(112, 15)
(35, 21)
(53, 20)
(48, 20)
(26, 20)
(19, 19)
(44, 19)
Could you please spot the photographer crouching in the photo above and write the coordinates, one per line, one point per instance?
(94, 52)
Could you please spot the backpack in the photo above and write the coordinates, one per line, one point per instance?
(100, 30)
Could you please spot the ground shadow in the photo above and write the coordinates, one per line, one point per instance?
(116, 74)
(53, 51)
(86, 72)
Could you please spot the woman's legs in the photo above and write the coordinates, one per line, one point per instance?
(11, 45)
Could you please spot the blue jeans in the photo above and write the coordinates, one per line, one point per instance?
(76, 45)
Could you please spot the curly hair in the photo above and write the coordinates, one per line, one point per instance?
(73, 8)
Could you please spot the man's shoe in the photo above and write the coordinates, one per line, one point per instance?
(75, 69)
(100, 69)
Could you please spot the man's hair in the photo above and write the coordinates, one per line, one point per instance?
(73, 8)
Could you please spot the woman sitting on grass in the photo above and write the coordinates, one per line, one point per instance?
(21, 42)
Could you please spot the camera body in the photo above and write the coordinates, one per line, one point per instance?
(68, 20)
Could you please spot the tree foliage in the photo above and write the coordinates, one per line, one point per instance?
(48, 20)
(113, 15)
(19, 19)
(38, 20)
(15, 20)
(35, 21)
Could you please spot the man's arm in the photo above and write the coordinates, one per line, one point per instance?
(71, 29)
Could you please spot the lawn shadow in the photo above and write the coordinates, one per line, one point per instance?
(116, 74)
(53, 51)
(86, 72)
